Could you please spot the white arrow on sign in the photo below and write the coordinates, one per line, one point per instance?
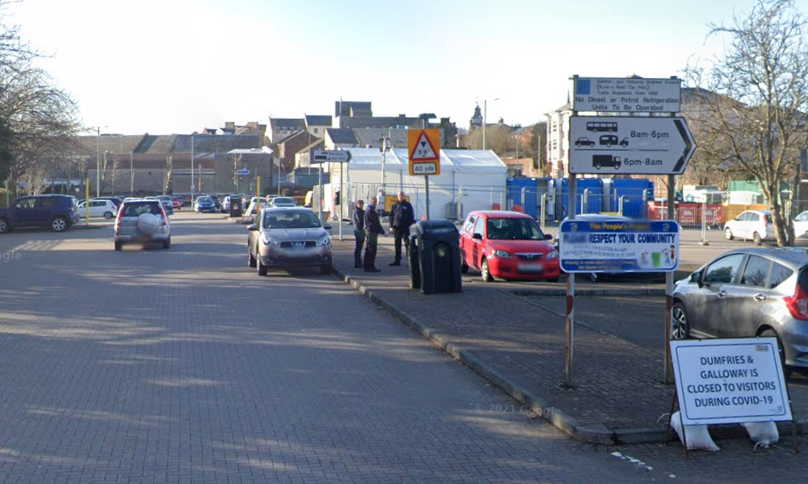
(330, 156)
(630, 145)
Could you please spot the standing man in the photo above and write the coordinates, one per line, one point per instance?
(401, 217)
(359, 232)
(374, 228)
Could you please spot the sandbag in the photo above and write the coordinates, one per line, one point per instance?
(763, 434)
(698, 437)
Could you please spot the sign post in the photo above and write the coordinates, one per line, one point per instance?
(331, 156)
(424, 156)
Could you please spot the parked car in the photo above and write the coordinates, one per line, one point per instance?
(801, 225)
(177, 201)
(56, 212)
(142, 222)
(98, 208)
(746, 293)
(116, 200)
(168, 203)
(282, 202)
(216, 201)
(204, 204)
(751, 224)
(289, 237)
(507, 245)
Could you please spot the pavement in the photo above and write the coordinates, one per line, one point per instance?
(518, 344)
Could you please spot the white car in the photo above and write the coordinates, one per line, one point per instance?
(801, 225)
(99, 208)
(752, 224)
(283, 202)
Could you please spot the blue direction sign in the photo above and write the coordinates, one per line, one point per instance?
(244, 171)
(618, 246)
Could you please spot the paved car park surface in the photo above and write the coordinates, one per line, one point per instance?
(148, 365)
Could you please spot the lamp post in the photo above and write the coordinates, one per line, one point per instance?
(385, 147)
(98, 163)
(485, 116)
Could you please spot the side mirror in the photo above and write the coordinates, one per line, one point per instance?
(327, 226)
(252, 228)
(548, 237)
(477, 236)
(696, 277)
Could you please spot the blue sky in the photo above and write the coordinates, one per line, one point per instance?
(175, 66)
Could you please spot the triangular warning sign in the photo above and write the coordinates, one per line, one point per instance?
(423, 150)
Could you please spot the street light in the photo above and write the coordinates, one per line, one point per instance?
(384, 149)
(485, 116)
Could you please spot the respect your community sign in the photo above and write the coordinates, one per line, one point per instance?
(730, 381)
(618, 246)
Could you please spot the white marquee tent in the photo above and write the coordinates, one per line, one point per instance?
(478, 174)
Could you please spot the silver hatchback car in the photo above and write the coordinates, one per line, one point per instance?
(747, 293)
(288, 237)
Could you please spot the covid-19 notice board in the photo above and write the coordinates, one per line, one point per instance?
(730, 381)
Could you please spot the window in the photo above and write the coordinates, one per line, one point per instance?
(779, 274)
(513, 229)
(290, 220)
(757, 269)
(752, 217)
(469, 224)
(723, 271)
(478, 226)
(26, 204)
(315, 130)
(137, 209)
(47, 202)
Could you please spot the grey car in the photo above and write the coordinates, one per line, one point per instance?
(142, 222)
(286, 238)
(747, 293)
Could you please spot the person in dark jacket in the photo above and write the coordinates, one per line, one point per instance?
(373, 227)
(401, 217)
(359, 231)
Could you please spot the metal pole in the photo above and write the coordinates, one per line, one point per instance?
(319, 193)
(485, 118)
(426, 194)
(341, 199)
(621, 204)
(585, 202)
(570, 322)
(192, 171)
(97, 168)
(543, 209)
(668, 373)
(258, 186)
(704, 240)
(524, 189)
(382, 201)
(87, 202)
(279, 178)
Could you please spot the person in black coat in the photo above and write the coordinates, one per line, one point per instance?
(373, 228)
(359, 231)
(402, 216)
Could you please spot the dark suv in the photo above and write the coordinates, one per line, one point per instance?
(56, 212)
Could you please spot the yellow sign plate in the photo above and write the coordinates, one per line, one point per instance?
(424, 151)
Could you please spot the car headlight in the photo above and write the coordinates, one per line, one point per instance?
(552, 254)
(501, 253)
(269, 241)
(325, 241)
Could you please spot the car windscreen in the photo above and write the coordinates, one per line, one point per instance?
(290, 220)
(204, 200)
(136, 209)
(283, 200)
(513, 229)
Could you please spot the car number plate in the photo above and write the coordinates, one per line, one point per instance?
(531, 268)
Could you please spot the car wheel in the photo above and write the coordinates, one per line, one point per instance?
(326, 269)
(118, 245)
(108, 215)
(756, 238)
(679, 326)
(167, 243)
(250, 257)
(3, 226)
(485, 272)
(59, 224)
(728, 234)
(770, 333)
(261, 268)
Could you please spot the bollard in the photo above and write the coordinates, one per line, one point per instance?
(620, 204)
(543, 208)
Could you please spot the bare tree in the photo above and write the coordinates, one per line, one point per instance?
(115, 162)
(169, 173)
(762, 94)
(236, 162)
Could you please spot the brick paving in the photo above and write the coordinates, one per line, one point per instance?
(617, 384)
(184, 366)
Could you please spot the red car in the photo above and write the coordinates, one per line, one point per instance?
(507, 245)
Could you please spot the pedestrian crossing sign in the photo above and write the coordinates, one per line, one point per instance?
(424, 151)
